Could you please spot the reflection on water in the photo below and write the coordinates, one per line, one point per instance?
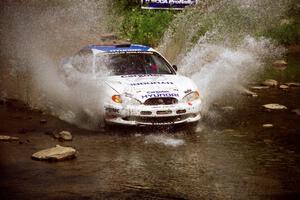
(162, 139)
(206, 165)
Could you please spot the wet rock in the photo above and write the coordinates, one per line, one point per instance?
(43, 121)
(58, 153)
(249, 93)
(8, 138)
(284, 87)
(63, 135)
(292, 84)
(267, 125)
(297, 111)
(270, 82)
(259, 87)
(246, 92)
(280, 64)
(274, 106)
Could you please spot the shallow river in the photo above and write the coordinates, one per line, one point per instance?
(231, 156)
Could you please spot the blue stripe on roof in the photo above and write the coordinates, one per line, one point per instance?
(133, 47)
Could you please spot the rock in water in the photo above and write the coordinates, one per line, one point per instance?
(280, 64)
(64, 135)
(284, 87)
(259, 87)
(274, 106)
(249, 93)
(270, 82)
(292, 84)
(7, 138)
(267, 125)
(57, 153)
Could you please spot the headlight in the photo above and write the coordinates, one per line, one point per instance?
(126, 100)
(191, 97)
(132, 101)
(116, 98)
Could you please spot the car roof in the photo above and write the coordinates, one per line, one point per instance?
(126, 47)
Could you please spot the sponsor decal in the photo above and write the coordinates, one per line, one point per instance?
(167, 4)
(153, 83)
(139, 75)
(157, 95)
(113, 52)
(158, 92)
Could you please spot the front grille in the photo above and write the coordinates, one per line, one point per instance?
(161, 101)
(160, 120)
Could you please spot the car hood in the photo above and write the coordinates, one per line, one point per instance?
(143, 87)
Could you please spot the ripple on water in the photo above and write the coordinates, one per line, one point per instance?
(165, 140)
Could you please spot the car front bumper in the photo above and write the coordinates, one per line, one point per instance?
(153, 115)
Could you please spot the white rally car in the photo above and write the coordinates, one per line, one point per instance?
(142, 88)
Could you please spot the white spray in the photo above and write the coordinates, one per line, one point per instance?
(214, 43)
(39, 36)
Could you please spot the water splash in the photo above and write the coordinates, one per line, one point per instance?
(35, 37)
(218, 70)
(217, 43)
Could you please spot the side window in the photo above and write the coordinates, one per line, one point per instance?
(161, 65)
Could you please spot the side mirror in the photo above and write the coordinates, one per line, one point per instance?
(175, 67)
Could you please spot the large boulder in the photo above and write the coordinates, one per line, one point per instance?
(270, 82)
(57, 153)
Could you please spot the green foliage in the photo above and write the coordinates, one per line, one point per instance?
(129, 21)
(288, 31)
(141, 26)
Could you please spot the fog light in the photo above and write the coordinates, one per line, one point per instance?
(146, 112)
(181, 111)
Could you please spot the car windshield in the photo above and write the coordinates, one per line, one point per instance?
(128, 63)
